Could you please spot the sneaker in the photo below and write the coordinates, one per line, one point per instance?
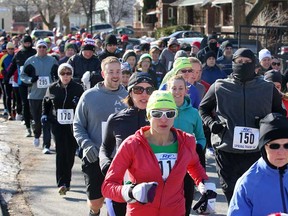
(5, 112)
(36, 142)
(28, 132)
(10, 117)
(18, 117)
(62, 190)
(91, 213)
(210, 152)
(46, 151)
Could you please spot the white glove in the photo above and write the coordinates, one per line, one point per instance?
(202, 188)
(86, 79)
(91, 154)
(143, 193)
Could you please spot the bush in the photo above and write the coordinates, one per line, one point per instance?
(161, 32)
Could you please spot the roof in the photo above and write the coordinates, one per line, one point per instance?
(182, 3)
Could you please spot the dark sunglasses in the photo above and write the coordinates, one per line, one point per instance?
(42, 47)
(275, 146)
(66, 73)
(169, 114)
(185, 71)
(140, 90)
(276, 63)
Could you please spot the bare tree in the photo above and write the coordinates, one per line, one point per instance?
(119, 9)
(88, 8)
(67, 8)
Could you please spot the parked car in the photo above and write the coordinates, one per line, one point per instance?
(123, 30)
(189, 40)
(40, 34)
(102, 27)
(179, 34)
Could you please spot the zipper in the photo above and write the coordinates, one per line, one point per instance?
(65, 97)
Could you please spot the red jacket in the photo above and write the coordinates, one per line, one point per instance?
(136, 156)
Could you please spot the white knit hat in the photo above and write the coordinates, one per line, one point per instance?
(65, 65)
(264, 53)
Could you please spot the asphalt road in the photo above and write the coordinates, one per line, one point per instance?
(28, 182)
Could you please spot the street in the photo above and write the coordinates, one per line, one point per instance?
(28, 181)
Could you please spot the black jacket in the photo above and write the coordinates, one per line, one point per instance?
(60, 97)
(81, 65)
(19, 59)
(119, 126)
(104, 54)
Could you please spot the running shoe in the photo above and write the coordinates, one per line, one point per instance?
(36, 142)
(62, 190)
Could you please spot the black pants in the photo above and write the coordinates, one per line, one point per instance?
(3, 93)
(23, 91)
(17, 99)
(65, 152)
(8, 92)
(230, 167)
(189, 184)
(36, 111)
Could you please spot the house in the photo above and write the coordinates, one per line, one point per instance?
(6, 18)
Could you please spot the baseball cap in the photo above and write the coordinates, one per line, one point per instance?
(41, 43)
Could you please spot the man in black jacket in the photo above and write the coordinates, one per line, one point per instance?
(17, 64)
(85, 61)
(110, 48)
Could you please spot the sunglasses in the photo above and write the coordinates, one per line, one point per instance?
(185, 71)
(42, 47)
(169, 114)
(276, 63)
(275, 146)
(66, 73)
(140, 90)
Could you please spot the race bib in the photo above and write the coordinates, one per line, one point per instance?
(43, 82)
(245, 138)
(166, 162)
(65, 116)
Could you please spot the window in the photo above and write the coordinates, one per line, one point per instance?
(139, 15)
(170, 13)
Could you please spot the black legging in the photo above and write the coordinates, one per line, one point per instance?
(3, 93)
(23, 91)
(8, 91)
(17, 99)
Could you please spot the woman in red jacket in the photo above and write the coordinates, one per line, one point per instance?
(157, 158)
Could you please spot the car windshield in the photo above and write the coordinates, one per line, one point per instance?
(43, 34)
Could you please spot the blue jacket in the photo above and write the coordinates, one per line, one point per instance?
(262, 190)
(188, 120)
(192, 92)
(211, 74)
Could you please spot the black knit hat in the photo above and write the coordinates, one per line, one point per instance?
(226, 44)
(139, 77)
(244, 52)
(111, 39)
(209, 54)
(273, 76)
(273, 126)
(127, 54)
(27, 38)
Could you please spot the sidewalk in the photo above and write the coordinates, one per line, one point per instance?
(29, 183)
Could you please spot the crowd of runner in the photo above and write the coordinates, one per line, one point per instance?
(143, 118)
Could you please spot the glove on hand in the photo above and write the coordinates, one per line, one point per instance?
(143, 193)
(216, 127)
(34, 79)
(201, 206)
(202, 188)
(44, 119)
(91, 154)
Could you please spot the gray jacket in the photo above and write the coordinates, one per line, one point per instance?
(38, 66)
(238, 104)
(93, 109)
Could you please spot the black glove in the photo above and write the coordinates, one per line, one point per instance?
(216, 127)
(34, 79)
(201, 206)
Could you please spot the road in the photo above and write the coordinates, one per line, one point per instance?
(28, 182)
